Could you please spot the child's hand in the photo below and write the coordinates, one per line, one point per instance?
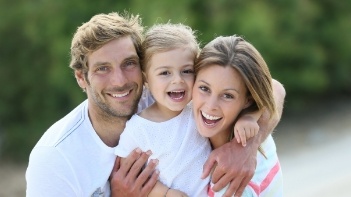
(175, 193)
(245, 128)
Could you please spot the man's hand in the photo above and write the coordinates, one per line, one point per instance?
(233, 164)
(129, 179)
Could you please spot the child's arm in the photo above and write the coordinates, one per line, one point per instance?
(161, 190)
(247, 126)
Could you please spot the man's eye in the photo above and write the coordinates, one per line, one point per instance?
(102, 68)
(131, 63)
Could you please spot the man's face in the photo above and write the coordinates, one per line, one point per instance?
(114, 80)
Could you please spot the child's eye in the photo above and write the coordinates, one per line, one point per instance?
(165, 73)
(188, 71)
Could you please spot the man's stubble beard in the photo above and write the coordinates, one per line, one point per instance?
(107, 112)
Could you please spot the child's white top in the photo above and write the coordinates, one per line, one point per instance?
(180, 149)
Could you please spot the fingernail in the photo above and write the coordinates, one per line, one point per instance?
(155, 161)
(148, 152)
(138, 150)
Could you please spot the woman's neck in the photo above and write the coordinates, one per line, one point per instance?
(220, 139)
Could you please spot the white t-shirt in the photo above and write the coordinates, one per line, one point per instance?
(70, 159)
(180, 149)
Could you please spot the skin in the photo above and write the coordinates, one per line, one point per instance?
(163, 77)
(244, 158)
(224, 157)
(217, 103)
(113, 86)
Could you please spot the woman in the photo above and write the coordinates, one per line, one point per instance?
(246, 87)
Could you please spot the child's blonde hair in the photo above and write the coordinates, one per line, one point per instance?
(165, 37)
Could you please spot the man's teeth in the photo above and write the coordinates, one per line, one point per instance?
(120, 95)
(210, 117)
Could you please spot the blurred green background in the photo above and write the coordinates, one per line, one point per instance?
(306, 43)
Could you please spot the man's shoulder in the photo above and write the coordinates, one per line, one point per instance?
(64, 127)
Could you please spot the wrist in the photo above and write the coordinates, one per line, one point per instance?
(254, 142)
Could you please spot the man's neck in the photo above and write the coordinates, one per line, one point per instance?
(109, 128)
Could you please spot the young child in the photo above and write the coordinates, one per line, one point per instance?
(167, 127)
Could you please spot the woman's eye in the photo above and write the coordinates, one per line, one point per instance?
(204, 88)
(228, 96)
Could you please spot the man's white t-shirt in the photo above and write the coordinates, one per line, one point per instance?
(70, 159)
(180, 149)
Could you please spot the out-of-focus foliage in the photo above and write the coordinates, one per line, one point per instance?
(306, 43)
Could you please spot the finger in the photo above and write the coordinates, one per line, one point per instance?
(243, 137)
(240, 190)
(138, 164)
(147, 172)
(128, 162)
(207, 168)
(221, 183)
(243, 141)
(115, 166)
(217, 174)
(236, 134)
(151, 177)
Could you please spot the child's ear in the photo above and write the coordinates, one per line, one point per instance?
(248, 102)
(80, 78)
(145, 80)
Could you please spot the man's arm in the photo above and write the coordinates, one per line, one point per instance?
(236, 164)
(129, 178)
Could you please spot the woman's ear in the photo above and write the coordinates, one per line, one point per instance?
(248, 102)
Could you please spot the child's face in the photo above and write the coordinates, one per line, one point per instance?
(219, 96)
(170, 78)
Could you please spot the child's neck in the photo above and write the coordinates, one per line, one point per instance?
(158, 113)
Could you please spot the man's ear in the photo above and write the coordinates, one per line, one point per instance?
(80, 78)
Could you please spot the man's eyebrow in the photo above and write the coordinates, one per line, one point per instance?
(100, 64)
(132, 57)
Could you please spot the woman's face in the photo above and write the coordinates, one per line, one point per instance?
(219, 95)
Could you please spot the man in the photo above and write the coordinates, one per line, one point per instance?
(75, 156)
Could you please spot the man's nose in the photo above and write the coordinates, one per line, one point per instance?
(118, 78)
